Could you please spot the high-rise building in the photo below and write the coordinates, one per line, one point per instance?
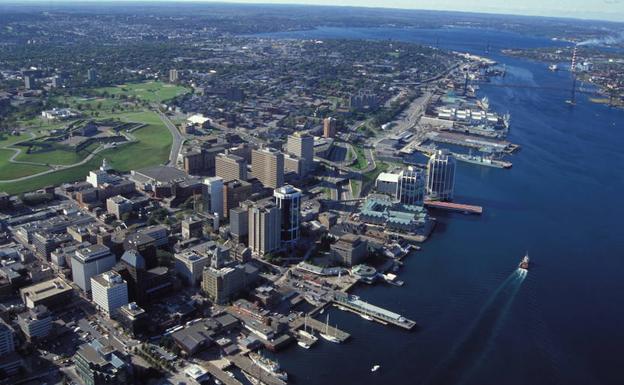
(235, 192)
(239, 223)
(7, 341)
(29, 82)
(98, 363)
(36, 323)
(411, 187)
(230, 167)
(329, 127)
(221, 284)
(441, 176)
(212, 192)
(109, 291)
(288, 200)
(89, 262)
(301, 145)
(173, 75)
(91, 75)
(190, 264)
(267, 165)
(264, 227)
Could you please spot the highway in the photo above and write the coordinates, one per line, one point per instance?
(178, 139)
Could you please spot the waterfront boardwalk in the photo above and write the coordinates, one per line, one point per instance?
(450, 206)
(321, 327)
(364, 309)
(247, 366)
(220, 374)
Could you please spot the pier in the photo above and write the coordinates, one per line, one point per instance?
(321, 327)
(220, 375)
(247, 366)
(356, 305)
(471, 141)
(450, 206)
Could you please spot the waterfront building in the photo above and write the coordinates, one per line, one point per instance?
(411, 187)
(301, 145)
(267, 165)
(441, 176)
(329, 127)
(229, 167)
(394, 215)
(109, 291)
(212, 192)
(350, 250)
(288, 201)
(36, 323)
(264, 227)
(388, 183)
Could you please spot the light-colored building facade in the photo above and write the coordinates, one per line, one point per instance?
(230, 167)
(89, 262)
(301, 145)
(264, 227)
(267, 165)
(441, 176)
(412, 187)
(212, 192)
(109, 291)
(36, 323)
(190, 264)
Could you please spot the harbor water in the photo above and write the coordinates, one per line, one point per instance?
(481, 322)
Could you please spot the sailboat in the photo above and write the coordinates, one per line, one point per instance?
(306, 336)
(327, 336)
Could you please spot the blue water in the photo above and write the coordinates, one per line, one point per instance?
(561, 324)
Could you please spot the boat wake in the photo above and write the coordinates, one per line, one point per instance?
(467, 355)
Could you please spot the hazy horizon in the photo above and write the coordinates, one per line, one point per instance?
(607, 10)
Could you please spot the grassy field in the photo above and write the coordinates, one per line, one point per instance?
(361, 162)
(153, 148)
(149, 91)
(12, 170)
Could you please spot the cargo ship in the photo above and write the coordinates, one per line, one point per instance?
(524, 264)
(482, 160)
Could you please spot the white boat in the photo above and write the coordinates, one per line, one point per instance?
(304, 344)
(375, 368)
(524, 264)
(553, 67)
(367, 317)
(268, 365)
(307, 337)
(328, 337)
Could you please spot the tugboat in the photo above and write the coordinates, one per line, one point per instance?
(524, 264)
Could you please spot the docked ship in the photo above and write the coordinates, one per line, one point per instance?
(268, 365)
(524, 264)
(327, 336)
(482, 160)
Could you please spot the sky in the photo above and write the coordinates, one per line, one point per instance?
(584, 9)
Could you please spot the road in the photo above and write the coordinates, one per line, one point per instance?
(178, 139)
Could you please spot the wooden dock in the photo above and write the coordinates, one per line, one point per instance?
(371, 312)
(247, 366)
(450, 206)
(321, 327)
(220, 374)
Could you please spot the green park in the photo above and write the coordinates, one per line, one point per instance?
(34, 156)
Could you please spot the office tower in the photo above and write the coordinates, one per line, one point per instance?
(192, 227)
(91, 75)
(90, 261)
(411, 187)
(98, 363)
(288, 200)
(329, 127)
(230, 167)
(109, 291)
(173, 75)
(190, 264)
(301, 145)
(267, 165)
(239, 223)
(441, 176)
(7, 341)
(235, 192)
(29, 82)
(36, 323)
(264, 227)
(221, 284)
(212, 192)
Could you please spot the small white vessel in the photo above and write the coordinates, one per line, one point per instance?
(327, 336)
(367, 317)
(375, 368)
